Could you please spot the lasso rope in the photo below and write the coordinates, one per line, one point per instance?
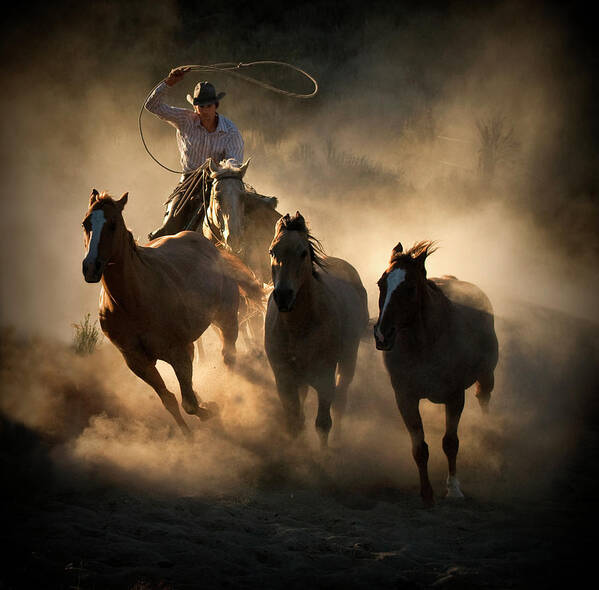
(232, 69)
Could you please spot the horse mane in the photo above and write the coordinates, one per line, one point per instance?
(298, 223)
(422, 249)
(229, 167)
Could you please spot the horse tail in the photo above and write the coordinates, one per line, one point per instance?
(249, 285)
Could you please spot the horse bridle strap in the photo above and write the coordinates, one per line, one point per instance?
(215, 231)
(209, 224)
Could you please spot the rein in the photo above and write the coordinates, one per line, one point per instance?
(232, 69)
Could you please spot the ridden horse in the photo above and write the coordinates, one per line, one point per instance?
(238, 219)
(315, 317)
(438, 339)
(242, 222)
(156, 300)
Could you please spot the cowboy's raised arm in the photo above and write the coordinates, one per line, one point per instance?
(176, 75)
(156, 105)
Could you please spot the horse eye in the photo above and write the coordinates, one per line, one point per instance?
(271, 253)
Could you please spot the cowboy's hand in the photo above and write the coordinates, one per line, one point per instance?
(176, 75)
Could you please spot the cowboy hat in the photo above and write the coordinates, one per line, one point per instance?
(204, 94)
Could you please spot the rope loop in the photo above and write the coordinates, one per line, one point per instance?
(231, 68)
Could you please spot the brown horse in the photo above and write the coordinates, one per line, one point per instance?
(156, 300)
(438, 339)
(315, 317)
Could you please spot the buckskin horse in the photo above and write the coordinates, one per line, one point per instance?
(157, 299)
(438, 338)
(315, 317)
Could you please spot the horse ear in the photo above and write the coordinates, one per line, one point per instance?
(93, 197)
(244, 167)
(122, 201)
(212, 166)
(398, 248)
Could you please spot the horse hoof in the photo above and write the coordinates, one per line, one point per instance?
(453, 488)
(229, 360)
(207, 410)
(428, 502)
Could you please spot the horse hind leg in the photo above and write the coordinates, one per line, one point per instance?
(146, 370)
(199, 349)
(227, 322)
(255, 326)
(182, 362)
(451, 443)
(345, 375)
(484, 387)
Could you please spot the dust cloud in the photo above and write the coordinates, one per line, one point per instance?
(392, 149)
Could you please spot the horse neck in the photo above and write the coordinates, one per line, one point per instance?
(121, 271)
(307, 308)
(434, 314)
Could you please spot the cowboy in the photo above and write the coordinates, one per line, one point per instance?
(201, 134)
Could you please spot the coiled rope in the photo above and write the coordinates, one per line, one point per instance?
(231, 69)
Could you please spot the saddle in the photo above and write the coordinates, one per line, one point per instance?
(190, 199)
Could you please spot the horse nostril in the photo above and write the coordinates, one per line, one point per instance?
(283, 297)
(383, 332)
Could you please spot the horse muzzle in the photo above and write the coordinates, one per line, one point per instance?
(384, 341)
(284, 298)
(93, 270)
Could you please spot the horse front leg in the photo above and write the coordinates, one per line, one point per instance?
(325, 387)
(451, 442)
(146, 370)
(408, 408)
(288, 390)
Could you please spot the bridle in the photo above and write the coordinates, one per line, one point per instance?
(215, 232)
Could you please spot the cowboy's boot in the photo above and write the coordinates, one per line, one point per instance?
(167, 225)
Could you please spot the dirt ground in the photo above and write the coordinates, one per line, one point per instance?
(101, 492)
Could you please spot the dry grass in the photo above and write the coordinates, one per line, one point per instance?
(87, 336)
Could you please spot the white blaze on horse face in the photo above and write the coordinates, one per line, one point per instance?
(395, 278)
(98, 220)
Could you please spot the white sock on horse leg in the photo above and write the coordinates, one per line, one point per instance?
(453, 487)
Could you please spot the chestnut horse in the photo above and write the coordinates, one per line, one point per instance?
(156, 300)
(315, 317)
(438, 339)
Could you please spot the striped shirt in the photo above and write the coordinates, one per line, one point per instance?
(195, 143)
